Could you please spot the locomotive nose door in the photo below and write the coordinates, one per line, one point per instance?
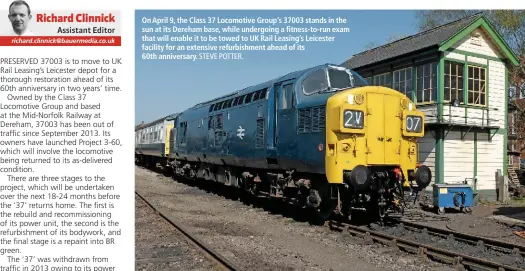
(167, 139)
(392, 130)
(375, 142)
(383, 124)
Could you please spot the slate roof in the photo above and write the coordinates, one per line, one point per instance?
(423, 40)
(137, 127)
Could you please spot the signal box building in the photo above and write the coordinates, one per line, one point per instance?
(458, 75)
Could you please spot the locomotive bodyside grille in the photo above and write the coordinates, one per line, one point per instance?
(311, 120)
(259, 136)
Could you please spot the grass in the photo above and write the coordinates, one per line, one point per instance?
(517, 201)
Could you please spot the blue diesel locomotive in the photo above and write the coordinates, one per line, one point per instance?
(320, 137)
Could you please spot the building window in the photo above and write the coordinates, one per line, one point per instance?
(403, 81)
(384, 80)
(513, 94)
(369, 80)
(475, 39)
(517, 92)
(512, 123)
(454, 82)
(477, 91)
(426, 83)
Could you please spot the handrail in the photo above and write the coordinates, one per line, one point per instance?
(447, 116)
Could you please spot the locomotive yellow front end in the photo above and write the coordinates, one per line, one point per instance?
(371, 144)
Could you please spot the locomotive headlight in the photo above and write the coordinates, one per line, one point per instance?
(423, 176)
(359, 99)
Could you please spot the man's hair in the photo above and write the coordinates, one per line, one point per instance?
(19, 3)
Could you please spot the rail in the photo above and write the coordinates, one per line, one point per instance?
(218, 259)
(468, 238)
(459, 115)
(448, 256)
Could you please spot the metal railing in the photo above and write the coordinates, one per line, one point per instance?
(459, 115)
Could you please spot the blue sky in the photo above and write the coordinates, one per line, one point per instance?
(163, 87)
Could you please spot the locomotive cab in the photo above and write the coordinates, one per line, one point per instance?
(371, 140)
(370, 151)
(371, 126)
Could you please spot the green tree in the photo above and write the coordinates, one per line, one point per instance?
(511, 25)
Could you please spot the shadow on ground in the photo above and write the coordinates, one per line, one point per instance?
(511, 211)
(273, 206)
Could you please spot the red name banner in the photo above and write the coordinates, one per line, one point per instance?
(60, 41)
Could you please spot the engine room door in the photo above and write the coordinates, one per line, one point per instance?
(382, 122)
(286, 132)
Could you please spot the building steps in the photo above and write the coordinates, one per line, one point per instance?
(513, 177)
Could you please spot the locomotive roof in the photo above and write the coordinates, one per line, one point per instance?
(157, 121)
(172, 116)
(289, 76)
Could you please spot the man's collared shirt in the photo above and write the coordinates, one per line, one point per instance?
(13, 33)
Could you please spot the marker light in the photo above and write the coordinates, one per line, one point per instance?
(350, 98)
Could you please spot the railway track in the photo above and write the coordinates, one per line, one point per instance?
(449, 255)
(443, 255)
(438, 253)
(490, 243)
(219, 261)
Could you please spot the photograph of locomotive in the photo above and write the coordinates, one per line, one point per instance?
(320, 138)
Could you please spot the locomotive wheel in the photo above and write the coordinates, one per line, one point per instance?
(381, 214)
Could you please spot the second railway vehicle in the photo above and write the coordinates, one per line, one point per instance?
(319, 137)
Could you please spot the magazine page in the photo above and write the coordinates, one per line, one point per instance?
(205, 136)
(66, 106)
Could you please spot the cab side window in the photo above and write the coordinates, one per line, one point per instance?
(286, 100)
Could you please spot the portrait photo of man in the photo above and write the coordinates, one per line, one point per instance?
(19, 16)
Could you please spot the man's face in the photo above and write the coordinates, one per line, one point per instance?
(19, 17)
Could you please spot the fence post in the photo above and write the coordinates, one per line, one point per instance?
(505, 180)
(502, 187)
(498, 190)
